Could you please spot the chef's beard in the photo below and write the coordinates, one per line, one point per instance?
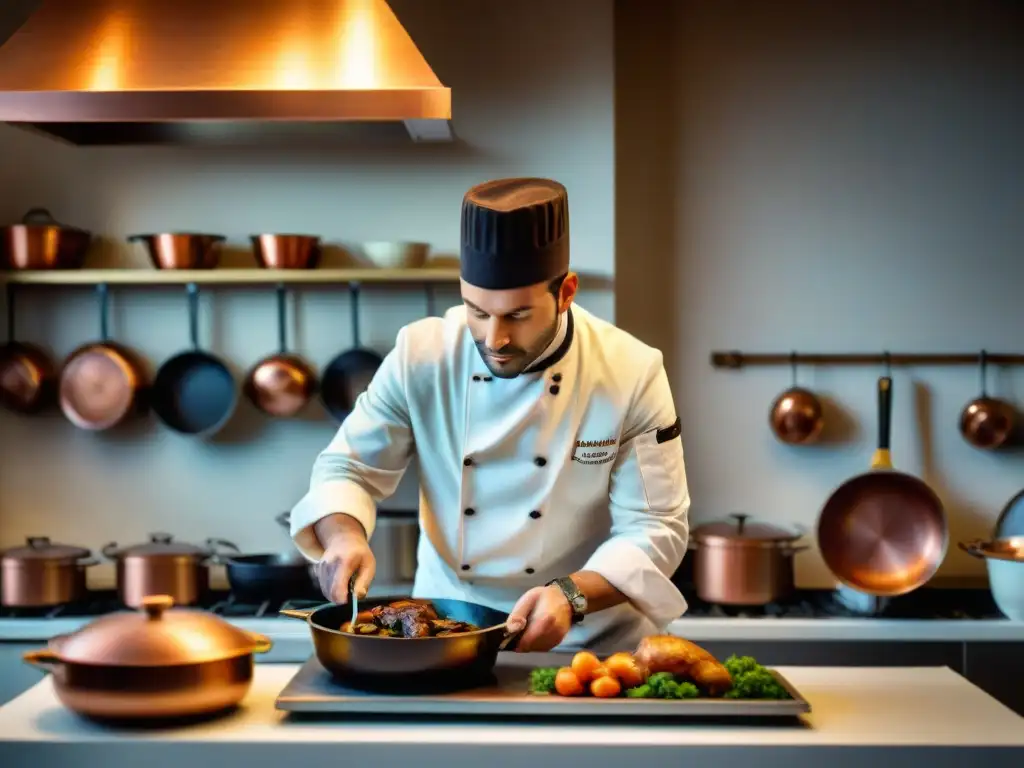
(521, 359)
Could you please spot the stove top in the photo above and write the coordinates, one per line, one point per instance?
(925, 603)
(100, 603)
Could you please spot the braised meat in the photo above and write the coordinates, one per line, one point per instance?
(684, 660)
(405, 618)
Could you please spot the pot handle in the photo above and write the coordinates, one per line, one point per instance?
(972, 548)
(89, 562)
(39, 216)
(511, 640)
(261, 643)
(44, 659)
(284, 520)
(294, 613)
(109, 551)
(214, 544)
(795, 550)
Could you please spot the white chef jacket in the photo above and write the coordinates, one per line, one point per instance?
(576, 464)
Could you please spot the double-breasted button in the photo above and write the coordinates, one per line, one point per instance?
(465, 567)
(477, 377)
(540, 461)
(530, 570)
(468, 461)
(470, 511)
(557, 377)
(554, 389)
(535, 514)
(488, 378)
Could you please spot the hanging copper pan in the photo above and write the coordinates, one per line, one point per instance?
(28, 376)
(884, 532)
(796, 416)
(281, 385)
(103, 383)
(987, 422)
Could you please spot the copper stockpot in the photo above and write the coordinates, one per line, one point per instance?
(736, 563)
(42, 574)
(163, 566)
(181, 250)
(161, 662)
(282, 384)
(40, 242)
(286, 251)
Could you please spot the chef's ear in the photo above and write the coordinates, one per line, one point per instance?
(567, 291)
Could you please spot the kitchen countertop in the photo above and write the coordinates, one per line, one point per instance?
(293, 634)
(890, 716)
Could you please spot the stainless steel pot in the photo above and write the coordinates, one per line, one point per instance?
(1004, 559)
(163, 566)
(42, 574)
(736, 563)
(159, 663)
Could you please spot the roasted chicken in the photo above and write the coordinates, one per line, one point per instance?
(405, 618)
(685, 660)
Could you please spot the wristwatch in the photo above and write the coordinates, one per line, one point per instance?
(577, 600)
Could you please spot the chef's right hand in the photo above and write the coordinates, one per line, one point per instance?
(347, 557)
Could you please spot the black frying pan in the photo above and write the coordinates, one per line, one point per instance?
(194, 392)
(407, 664)
(347, 375)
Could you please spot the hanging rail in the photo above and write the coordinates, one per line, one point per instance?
(737, 359)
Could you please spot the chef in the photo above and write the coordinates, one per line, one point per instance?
(552, 483)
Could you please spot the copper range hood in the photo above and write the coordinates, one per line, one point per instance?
(109, 72)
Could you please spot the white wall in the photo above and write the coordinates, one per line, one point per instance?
(532, 91)
(830, 177)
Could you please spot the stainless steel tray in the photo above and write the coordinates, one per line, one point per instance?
(313, 690)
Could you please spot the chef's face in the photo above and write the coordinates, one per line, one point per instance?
(512, 328)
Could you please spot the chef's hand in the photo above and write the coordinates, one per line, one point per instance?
(547, 616)
(347, 556)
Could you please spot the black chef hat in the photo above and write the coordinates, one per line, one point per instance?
(515, 232)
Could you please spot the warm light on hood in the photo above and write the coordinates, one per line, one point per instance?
(126, 71)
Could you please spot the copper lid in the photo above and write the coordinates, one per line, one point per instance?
(1011, 548)
(156, 637)
(159, 544)
(41, 548)
(738, 531)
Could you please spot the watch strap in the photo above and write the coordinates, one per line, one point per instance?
(577, 600)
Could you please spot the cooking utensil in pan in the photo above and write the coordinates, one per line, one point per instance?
(883, 532)
(796, 416)
(181, 250)
(41, 242)
(194, 392)
(369, 661)
(348, 374)
(286, 251)
(987, 422)
(102, 383)
(28, 375)
(282, 384)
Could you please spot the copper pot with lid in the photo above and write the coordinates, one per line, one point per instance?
(149, 664)
(42, 574)
(163, 566)
(741, 563)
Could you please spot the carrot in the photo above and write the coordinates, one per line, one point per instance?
(605, 687)
(567, 684)
(624, 668)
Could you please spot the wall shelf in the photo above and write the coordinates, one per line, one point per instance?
(736, 359)
(228, 276)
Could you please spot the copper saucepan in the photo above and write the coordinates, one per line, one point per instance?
(282, 384)
(884, 532)
(42, 573)
(40, 242)
(796, 416)
(161, 662)
(103, 383)
(987, 422)
(181, 250)
(28, 376)
(286, 251)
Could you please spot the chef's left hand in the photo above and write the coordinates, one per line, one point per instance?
(547, 616)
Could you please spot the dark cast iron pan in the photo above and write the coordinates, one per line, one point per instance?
(194, 392)
(348, 375)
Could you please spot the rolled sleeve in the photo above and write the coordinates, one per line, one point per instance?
(365, 461)
(649, 502)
